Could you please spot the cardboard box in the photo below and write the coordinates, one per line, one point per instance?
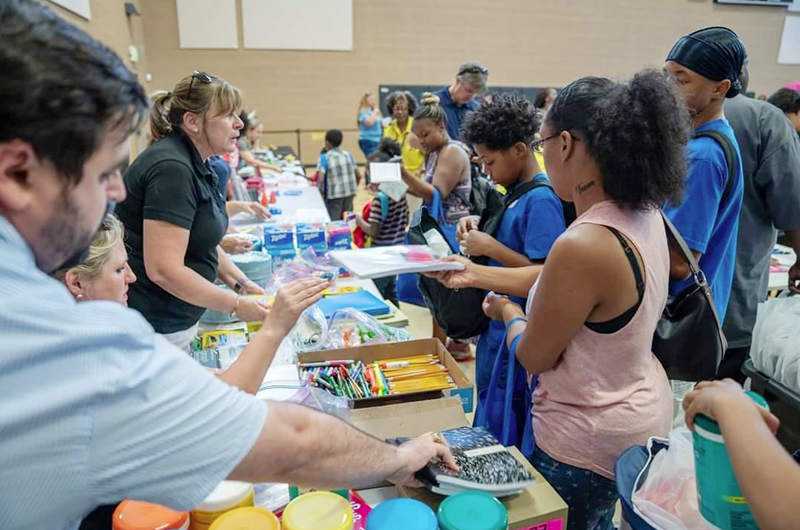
(279, 240)
(464, 391)
(538, 507)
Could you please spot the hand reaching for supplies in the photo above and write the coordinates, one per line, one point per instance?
(712, 397)
(456, 279)
(232, 244)
(415, 455)
(291, 300)
(250, 208)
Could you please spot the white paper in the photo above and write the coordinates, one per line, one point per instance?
(384, 172)
(379, 262)
(394, 190)
(789, 52)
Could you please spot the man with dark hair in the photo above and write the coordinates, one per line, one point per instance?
(771, 158)
(459, 99)
(705, 67)
(97, 407)
(788, 101)
(338, 176)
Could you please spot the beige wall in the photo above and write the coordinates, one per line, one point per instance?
(110, 26)
(523, 42)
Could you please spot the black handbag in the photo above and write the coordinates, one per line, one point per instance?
(689, 340)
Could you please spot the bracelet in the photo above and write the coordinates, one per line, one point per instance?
(236, 307)
(515, 320)
(514, 344)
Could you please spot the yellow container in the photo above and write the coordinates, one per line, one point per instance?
(321, 510)
(227, 496)
(247, 519)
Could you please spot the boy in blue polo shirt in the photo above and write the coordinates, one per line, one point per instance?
(705, 67)
(502, 133)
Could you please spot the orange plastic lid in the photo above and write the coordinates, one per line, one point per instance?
(136, 515)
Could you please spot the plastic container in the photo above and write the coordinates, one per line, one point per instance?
(227, 496)
(257, 266)
(247, 519)
(136, 515)
(472, 510)
(320, 510)
(719, 496)
(402, 514)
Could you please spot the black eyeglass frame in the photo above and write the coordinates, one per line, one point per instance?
(200, 76)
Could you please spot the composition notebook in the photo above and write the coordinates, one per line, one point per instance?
(484, 464)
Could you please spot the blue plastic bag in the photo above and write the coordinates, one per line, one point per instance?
(506, 412)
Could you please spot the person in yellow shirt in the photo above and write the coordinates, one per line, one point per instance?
(401, 107)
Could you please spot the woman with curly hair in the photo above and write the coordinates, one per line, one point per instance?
(401, 107)
(618, 152)
(501, 133)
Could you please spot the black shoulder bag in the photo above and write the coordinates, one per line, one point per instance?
(689, 340)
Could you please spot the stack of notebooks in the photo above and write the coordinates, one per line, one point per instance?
(484, 464)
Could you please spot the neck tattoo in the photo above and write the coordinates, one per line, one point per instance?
(583, 188)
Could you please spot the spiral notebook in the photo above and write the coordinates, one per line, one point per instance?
(484, 464)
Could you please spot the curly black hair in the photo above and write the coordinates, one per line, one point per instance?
(786, 99)
(635, 131)
(508, 119)
(387, 149)
(398, 96)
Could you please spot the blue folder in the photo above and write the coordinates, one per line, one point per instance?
(364, 301)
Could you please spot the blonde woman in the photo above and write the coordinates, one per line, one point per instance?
(175, 216)
(105, 273)
(369, 124)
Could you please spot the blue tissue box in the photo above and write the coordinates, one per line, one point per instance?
(311, 235)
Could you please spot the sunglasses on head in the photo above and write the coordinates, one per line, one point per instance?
(200, 76)
(474, 70)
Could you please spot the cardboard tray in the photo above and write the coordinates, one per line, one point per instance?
(464, 391)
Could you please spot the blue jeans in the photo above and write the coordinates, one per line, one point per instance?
(368, 146)
(591, 498)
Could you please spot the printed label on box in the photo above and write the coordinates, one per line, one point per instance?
(465, 395)
(555, 524)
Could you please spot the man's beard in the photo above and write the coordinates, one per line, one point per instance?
(66, 244)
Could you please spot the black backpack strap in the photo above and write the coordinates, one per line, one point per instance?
(522, 189)
(730, 158)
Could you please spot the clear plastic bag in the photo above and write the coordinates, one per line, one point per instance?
(349, 327)
(308, 263)
(304, 394)
(668, 498)
(775, 348)
(311, 331)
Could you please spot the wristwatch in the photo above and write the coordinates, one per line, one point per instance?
(239, 286)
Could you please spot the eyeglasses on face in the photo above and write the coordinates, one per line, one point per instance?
(538, 145)
(200, 76)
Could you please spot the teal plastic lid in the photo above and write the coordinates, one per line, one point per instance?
(707, 424)
(402, 514)
(472, 510)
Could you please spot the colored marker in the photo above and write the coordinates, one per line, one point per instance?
(325, 364)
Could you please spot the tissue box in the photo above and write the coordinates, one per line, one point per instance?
(339, 235)
(311, 235)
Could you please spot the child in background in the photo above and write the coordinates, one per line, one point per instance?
(388, 218)
(502, 133)
(338, 176)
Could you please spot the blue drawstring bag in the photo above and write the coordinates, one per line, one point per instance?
(506, 411)
(630, 473)
(430, 216)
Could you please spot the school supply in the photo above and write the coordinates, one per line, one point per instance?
(363, 301)
(379, 262)
(484, 464)
(384, 172)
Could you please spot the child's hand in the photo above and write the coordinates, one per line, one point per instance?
(712, 397)
(494, 304)
(465, 225)
(477, 243)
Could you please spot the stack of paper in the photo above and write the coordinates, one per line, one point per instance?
(379, 262)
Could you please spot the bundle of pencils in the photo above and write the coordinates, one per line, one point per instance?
(359, 380)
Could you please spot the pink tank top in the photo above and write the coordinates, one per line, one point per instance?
(608, 392)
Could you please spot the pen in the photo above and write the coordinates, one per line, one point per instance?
(345, 362)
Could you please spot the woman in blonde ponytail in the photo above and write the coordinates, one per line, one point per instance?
(175, 215)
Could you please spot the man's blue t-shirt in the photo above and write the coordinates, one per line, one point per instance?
(455, 113)
(530, 226)
(707, 226)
